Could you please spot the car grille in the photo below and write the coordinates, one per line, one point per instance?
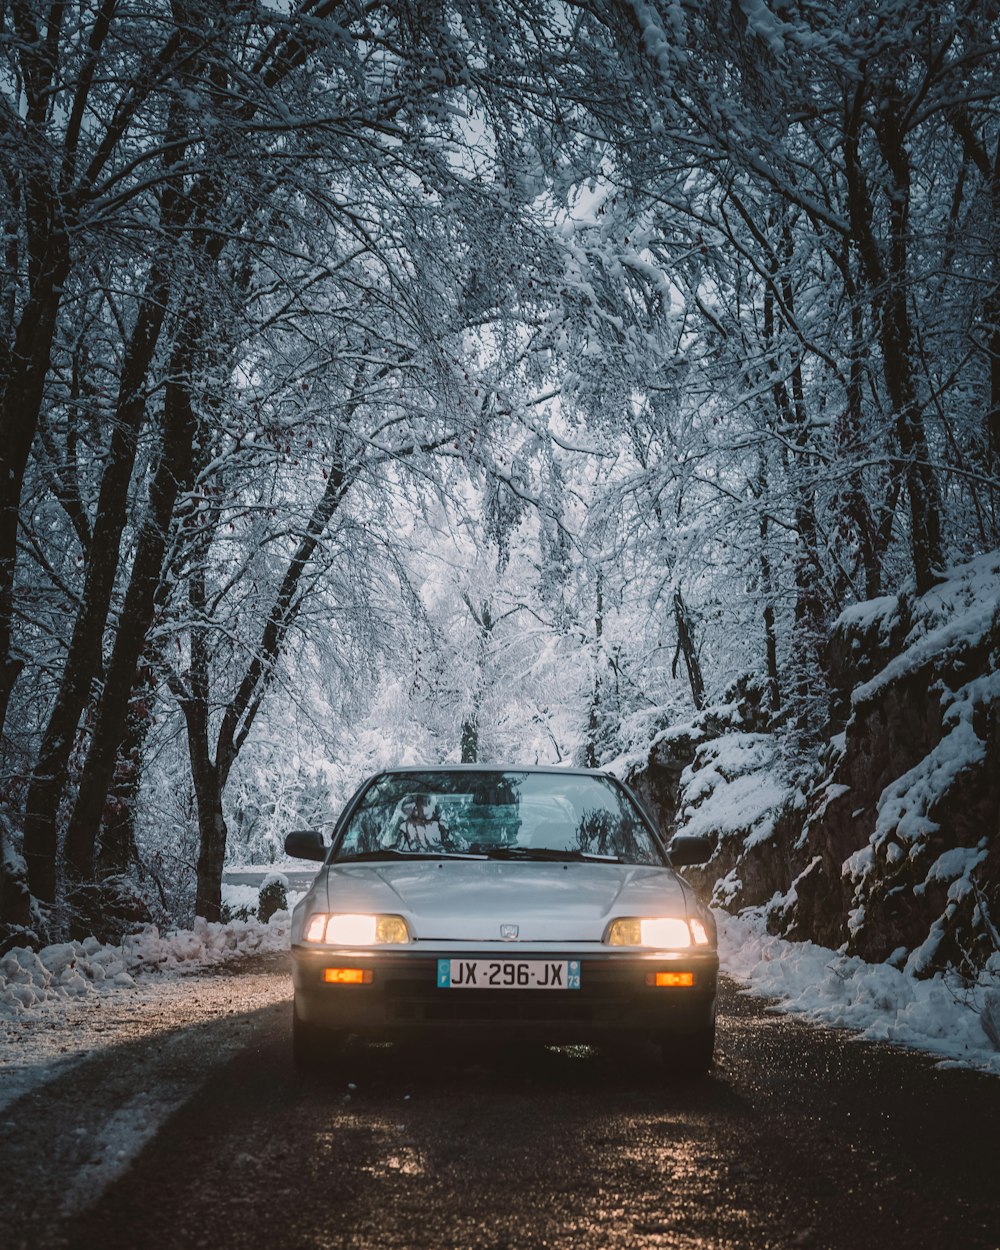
(408, 1001)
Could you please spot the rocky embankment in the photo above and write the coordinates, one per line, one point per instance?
(894, 847)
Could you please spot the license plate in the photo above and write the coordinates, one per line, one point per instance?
(508, 974)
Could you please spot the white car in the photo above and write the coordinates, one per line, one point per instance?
(535, 903)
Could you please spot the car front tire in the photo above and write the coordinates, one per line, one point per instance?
(312, 1046)
(689, 1055)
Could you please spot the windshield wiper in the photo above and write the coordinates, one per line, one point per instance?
(547, 853)
(393, 854)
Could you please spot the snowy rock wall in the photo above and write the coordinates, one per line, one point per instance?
(894, 852)
(903, 840)
(720, 775)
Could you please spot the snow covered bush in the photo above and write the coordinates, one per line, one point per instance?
(273, 896)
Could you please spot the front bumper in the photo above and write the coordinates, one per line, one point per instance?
(403, 999)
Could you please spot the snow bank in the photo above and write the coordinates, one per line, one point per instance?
(73, 970)
(956, 1021)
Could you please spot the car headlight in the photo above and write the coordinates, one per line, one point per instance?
(661, 931)
(353, 929)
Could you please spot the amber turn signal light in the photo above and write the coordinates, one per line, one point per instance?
(347, 976)
(670, 980)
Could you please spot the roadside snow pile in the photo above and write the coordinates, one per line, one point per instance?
(943, 1015)
(71, 970)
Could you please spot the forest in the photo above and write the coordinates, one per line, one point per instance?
(471, 380)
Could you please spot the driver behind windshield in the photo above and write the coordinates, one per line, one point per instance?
(423, 829)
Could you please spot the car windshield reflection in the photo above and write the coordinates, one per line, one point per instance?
(497, 815)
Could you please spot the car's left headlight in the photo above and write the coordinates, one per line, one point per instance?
(354, 929)
(665, 932)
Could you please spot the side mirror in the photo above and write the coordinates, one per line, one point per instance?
(693, 848)
(305, 844)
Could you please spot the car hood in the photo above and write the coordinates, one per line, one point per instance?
(468, 900)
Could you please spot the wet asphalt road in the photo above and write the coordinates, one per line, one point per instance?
(298, 880)
(800, 1138)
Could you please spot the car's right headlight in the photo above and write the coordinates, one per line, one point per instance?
(663, 932)
(355, 929)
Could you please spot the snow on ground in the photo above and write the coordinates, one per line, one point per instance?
(36, 985)
(70, 970)
(72, 998)
(944, 1017)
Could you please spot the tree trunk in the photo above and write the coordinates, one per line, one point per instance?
(770, 633)
(470, 739)
(173, 476)
(767, 590)
(810, 612)
(208, 791)
(117, 848)
(888, 283)
(15, 900)
(209, 781)
(83, 663)
(21, 407)
(592, 754)
(858, 513)
(686, 647)
(791, 416)
(470, 725)
(208, 776)
(992, 318)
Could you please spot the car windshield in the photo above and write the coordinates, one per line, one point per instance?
(499, 815)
